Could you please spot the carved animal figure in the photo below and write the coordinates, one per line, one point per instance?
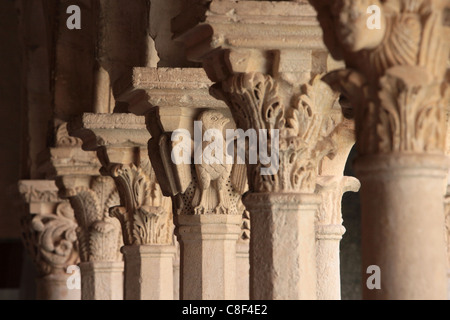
(214, 175)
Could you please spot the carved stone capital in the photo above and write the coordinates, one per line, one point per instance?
(78, 178)
(254, 36)
(49, 230)
(145, 213)
(331, 189)
(176, 98)
(270, 83)
(395, 74)
(304, 121)
(120, 141)
(91, 198)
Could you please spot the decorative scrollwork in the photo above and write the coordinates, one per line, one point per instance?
(51, 239)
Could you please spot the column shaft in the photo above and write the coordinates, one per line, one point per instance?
(54, 287)
(402, 225)
(282, 246)
(101, 280)
(328, 262)
(208, 256)
(149, 272)
(243, 270)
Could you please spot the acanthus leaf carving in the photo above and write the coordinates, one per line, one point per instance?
(305, 127)
(142, 215)
(99, 234)
(397, 69)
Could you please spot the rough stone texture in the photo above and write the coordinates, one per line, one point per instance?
(49, 234)
(101, 280)
(283, 260)
(329, 231)
(173, 99)
(271, 81)
(447, 235)
(267, 60)
(149, 272)
(144, 214)
(208, 246)
(243, 270)
(91, 196)
(332, 185)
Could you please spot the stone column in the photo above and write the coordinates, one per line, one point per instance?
(49, 235)
(399, 92)
(331, 185)
(329, 232)
(209, 256)
(144, 214)
(206, 196)
(282, 247)
(176, 271)
(99, 236)
(91, 195)
(271, 83)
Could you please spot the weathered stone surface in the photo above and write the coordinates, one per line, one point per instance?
(49, 235)
(209, 262)
(91, 196)
(272, 81)
(172, 99)
(145, 215)
(283, 259)
(401, 93)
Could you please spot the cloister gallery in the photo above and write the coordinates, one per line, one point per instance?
(109, 107)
